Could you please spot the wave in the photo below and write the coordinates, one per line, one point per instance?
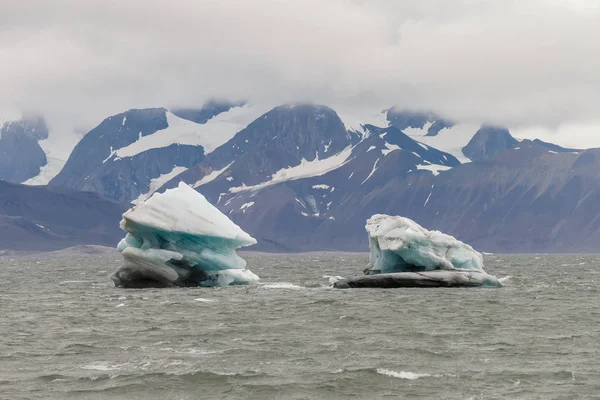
(62, 283)
(203, 300)
(111, 371)
(408, 375)
(281, 285)
(504, 278)
(402, 374)
(77, 348)
(100, 366)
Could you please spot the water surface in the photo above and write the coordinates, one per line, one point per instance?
(67, 333)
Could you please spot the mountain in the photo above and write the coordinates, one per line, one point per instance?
(489, 141)
(40, 218)
(302, 177)
(135, 152)
(21, 155)
(284, 143)
(527, 199)
(326, 210)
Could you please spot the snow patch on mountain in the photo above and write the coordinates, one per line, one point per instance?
(305, 169)
(389, 148)
(415, 132)
(245, 206)
(434, 168)
(372, 171)
(449, 140)
(214, 133)
(211, 177)
(58, 148)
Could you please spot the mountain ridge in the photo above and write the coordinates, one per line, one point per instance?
(298, 177)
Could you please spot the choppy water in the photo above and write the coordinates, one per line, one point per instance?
(66, 333)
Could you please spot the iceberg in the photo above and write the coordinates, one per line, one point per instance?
(178, 238)
(404, 254)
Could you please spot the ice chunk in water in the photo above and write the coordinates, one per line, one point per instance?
(404, 254)
(178, 238)
(399, 244)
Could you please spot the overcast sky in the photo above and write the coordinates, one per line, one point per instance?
(531, 64)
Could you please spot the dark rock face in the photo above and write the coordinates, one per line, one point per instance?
(40, 218)
(207, 111)
(92, 165)
(21, 156)
(489, 141)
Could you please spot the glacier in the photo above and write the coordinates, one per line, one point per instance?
(177, 238)
(404, 254)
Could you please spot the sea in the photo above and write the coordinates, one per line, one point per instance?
(67, 333)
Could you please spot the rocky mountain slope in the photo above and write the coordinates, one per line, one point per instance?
(21, 156)
(528, 199)
(41, 218)
(135, 152)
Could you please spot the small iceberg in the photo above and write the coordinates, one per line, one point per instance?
(178, 238)
(404, 254)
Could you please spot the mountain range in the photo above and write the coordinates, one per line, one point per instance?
(299, 177)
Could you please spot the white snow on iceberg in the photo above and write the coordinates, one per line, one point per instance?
(404, 254)
(178, 238)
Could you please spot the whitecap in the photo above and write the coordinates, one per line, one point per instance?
(201, 352)
(202, 300)
(504, 278)
(401, 375)
(281, 285)
(70, 282)
(101, 366)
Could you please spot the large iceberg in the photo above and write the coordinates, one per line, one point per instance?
(404, 254)
(178, 238)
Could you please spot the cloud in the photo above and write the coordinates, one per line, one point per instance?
(531, 63)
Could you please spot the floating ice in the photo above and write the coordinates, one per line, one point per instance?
(399, 244)
(178, 238)
(404, 254)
